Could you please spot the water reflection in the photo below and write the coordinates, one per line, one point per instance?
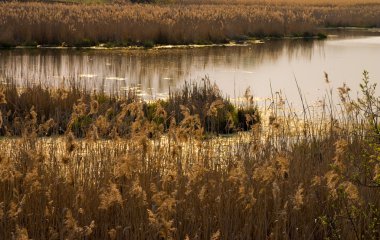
(232, 68)
(156, 69)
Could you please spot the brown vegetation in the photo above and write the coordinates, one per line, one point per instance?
(87, 25)
(65, 109)
(290, 178)
(285, 2)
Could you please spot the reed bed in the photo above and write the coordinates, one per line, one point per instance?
(58, 24)
(72, 108)
(288, 177)
(285, 2)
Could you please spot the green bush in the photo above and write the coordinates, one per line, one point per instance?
(81, 125)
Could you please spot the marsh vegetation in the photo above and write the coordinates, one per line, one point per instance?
(81, 159)
(133, 176)
(83, 25)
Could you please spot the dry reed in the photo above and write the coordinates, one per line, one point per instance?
(292, 178)
(87, 25)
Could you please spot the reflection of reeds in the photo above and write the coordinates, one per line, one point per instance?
(86, 25)
(132, 67)
(291, 178)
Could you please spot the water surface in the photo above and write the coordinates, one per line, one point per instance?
(279, 64)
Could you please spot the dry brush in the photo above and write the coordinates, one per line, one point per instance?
(138, 24)
(287, 178)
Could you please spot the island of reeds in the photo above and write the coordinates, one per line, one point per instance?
(76, 164)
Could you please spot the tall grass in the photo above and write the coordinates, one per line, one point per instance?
(87, 25)
(56, 111)
(285, 2)
(289, 177)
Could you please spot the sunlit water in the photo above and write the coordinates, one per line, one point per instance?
(274, 63)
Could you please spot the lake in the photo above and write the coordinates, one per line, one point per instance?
(264, 66)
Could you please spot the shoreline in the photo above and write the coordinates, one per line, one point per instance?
(232, 43)
(32, 24)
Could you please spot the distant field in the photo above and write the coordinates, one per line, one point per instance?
(284, 2)
(250, 2)
(291, 2)
(91, 24)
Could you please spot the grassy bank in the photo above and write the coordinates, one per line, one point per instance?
(32, 24)
(292, 178)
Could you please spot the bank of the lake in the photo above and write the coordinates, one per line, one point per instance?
(81, 25)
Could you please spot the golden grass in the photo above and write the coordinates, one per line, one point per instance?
(293, 178)
(286, 2)
(85, 25)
